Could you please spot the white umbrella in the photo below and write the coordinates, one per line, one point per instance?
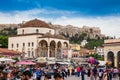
(6, 60)
(26, 63)
(51, 62)
(102, 63)
(41, 59)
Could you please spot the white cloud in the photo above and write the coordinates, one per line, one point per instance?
(109, 25)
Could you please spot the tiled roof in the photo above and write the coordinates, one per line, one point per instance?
(83, 50)
(4, 51)
(35, 23)
(112, 41)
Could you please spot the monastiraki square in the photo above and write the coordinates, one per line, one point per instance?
(59, 40)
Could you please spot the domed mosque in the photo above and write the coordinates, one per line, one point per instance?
(37, 38)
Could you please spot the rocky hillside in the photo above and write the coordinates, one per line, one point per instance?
(68, 31)
(3, 26)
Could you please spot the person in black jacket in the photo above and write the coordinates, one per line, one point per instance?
(119, 76)
(82, 74)
(88, 72)
(58, 76)
(109, 75)
(26, 75)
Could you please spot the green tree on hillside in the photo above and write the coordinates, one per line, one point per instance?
(77, 38)
(94, 43)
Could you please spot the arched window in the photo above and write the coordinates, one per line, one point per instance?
(23, 44)
(17, 45)
(22, 31)
(37, 31)
(32, 44)
(28, 44)
(12, 45)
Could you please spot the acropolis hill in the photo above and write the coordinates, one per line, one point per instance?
(92, 32)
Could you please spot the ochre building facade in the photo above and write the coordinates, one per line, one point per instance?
(112, 51)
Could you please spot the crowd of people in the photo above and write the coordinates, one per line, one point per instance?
(57, 72)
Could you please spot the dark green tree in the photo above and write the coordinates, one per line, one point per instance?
(96, 56)
(3, 41)
(94, 43)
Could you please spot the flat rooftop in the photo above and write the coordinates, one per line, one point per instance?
(112, 41)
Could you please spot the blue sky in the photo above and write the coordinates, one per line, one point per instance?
(100, 13)
(84, 7)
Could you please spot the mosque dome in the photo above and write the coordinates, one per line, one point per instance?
(35, 23)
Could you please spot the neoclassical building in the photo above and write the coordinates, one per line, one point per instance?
(112, 51)
(36, 38)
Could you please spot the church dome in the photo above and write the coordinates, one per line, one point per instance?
(35, 23)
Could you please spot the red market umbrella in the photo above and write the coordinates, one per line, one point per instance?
(26, 63)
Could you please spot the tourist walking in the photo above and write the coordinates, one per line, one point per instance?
(26, 75)
(109, 75)
(78, 71)
(95, 73)
(91, 74)
(100, 74)
(58, 76)
(38, 74)
(119, 74)
(104, 76)
(82, 74)
(88, 72)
